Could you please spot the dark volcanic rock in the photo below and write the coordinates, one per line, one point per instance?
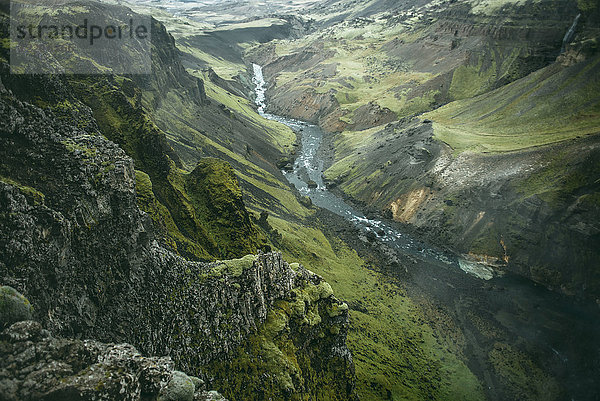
(37, 366)
(73, 240)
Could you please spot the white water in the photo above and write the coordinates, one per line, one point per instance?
(309, 167)
(260, 89)
(569, 35)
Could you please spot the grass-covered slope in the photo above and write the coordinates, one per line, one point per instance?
(396, 353)
(511, 174)
(551, 105)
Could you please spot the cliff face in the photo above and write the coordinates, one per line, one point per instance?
(74, 240)
(75, 243)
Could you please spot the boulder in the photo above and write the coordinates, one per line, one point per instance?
(306, 201)
(180, 388)
(14, 307)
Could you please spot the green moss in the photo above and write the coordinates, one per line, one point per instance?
(287, 362)
(216, 197)
(279, 135)
(77, 148)
(14, 307)
(235, 267)
(488, 242)
(591, 200)
(30, 193)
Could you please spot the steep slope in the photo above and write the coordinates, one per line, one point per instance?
(369, 75)
(78, 246)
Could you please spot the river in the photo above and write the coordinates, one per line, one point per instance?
(560, 334)
(308, 167)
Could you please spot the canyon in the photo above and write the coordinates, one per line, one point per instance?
(331, 200)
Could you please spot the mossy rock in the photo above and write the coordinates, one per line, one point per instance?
(236, 267)
(306, 201)
(180, 388)
(14, 307)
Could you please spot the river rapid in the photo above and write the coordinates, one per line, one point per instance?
(560, 334)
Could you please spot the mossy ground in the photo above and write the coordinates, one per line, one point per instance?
(395, 352)
(550, 105)
(278, 352)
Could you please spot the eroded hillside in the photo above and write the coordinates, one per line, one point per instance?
(507, 170)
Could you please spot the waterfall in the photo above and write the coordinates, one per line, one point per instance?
(569, 35)
(260, 89)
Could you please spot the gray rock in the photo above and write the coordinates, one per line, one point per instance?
(180, 388)
(37, 366)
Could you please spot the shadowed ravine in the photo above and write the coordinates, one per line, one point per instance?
(558, 335)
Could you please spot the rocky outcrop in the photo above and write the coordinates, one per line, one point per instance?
(371, 115)
(73, 240)
(37, 366)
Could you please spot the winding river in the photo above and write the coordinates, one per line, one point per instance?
(308, 167)
(560, 334)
